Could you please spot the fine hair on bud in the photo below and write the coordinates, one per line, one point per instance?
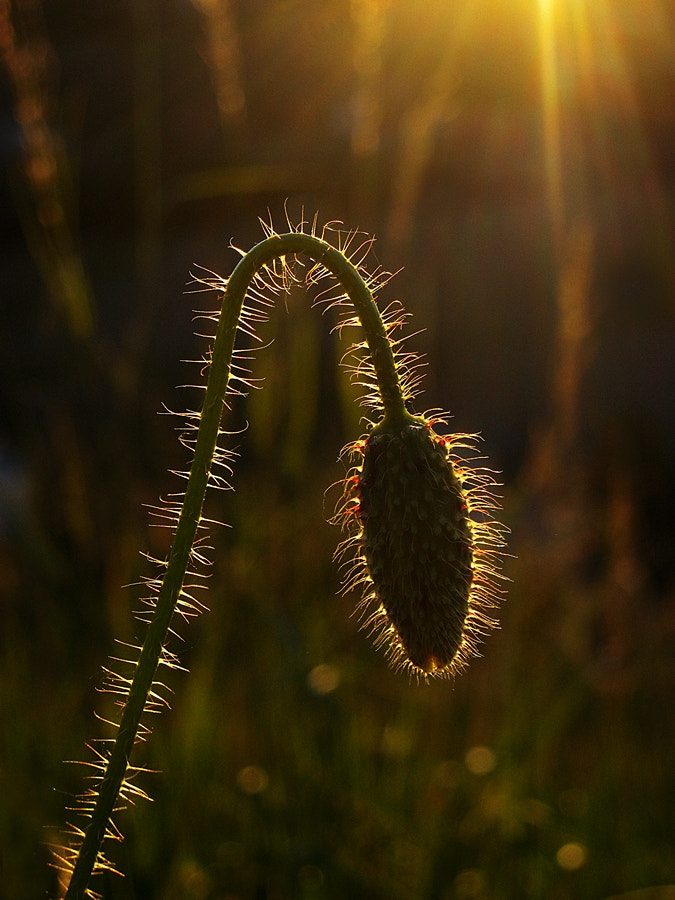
(425, 545)
(420, 518)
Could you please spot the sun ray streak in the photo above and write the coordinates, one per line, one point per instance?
(550, 104)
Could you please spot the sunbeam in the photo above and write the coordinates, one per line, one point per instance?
(597, 150)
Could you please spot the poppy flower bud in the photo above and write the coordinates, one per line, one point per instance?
(423, 552)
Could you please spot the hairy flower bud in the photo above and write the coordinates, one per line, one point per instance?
(423, 551)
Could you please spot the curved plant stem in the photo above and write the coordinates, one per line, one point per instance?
(188, 522)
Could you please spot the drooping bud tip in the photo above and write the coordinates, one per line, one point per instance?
(426, 545)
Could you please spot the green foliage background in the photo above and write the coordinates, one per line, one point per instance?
(293, 763)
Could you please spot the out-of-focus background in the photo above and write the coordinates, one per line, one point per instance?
(517, 159)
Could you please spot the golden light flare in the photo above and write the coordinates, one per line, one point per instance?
(591, 53)
(550, 113)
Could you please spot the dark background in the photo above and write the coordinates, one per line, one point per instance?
(518, 161)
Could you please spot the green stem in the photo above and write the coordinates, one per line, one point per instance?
(349, 277)
(188, 522)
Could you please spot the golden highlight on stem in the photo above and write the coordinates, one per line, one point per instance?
(235, 293)
(422, 541)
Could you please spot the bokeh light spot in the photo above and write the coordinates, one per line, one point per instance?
(310, 878)
(252, 780)
(323, 678)
(480, 760)
(571, 856)
(470, 884)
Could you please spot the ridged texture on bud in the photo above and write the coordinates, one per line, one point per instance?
(426, 544)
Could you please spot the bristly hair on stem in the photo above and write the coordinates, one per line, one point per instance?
(421, 536)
